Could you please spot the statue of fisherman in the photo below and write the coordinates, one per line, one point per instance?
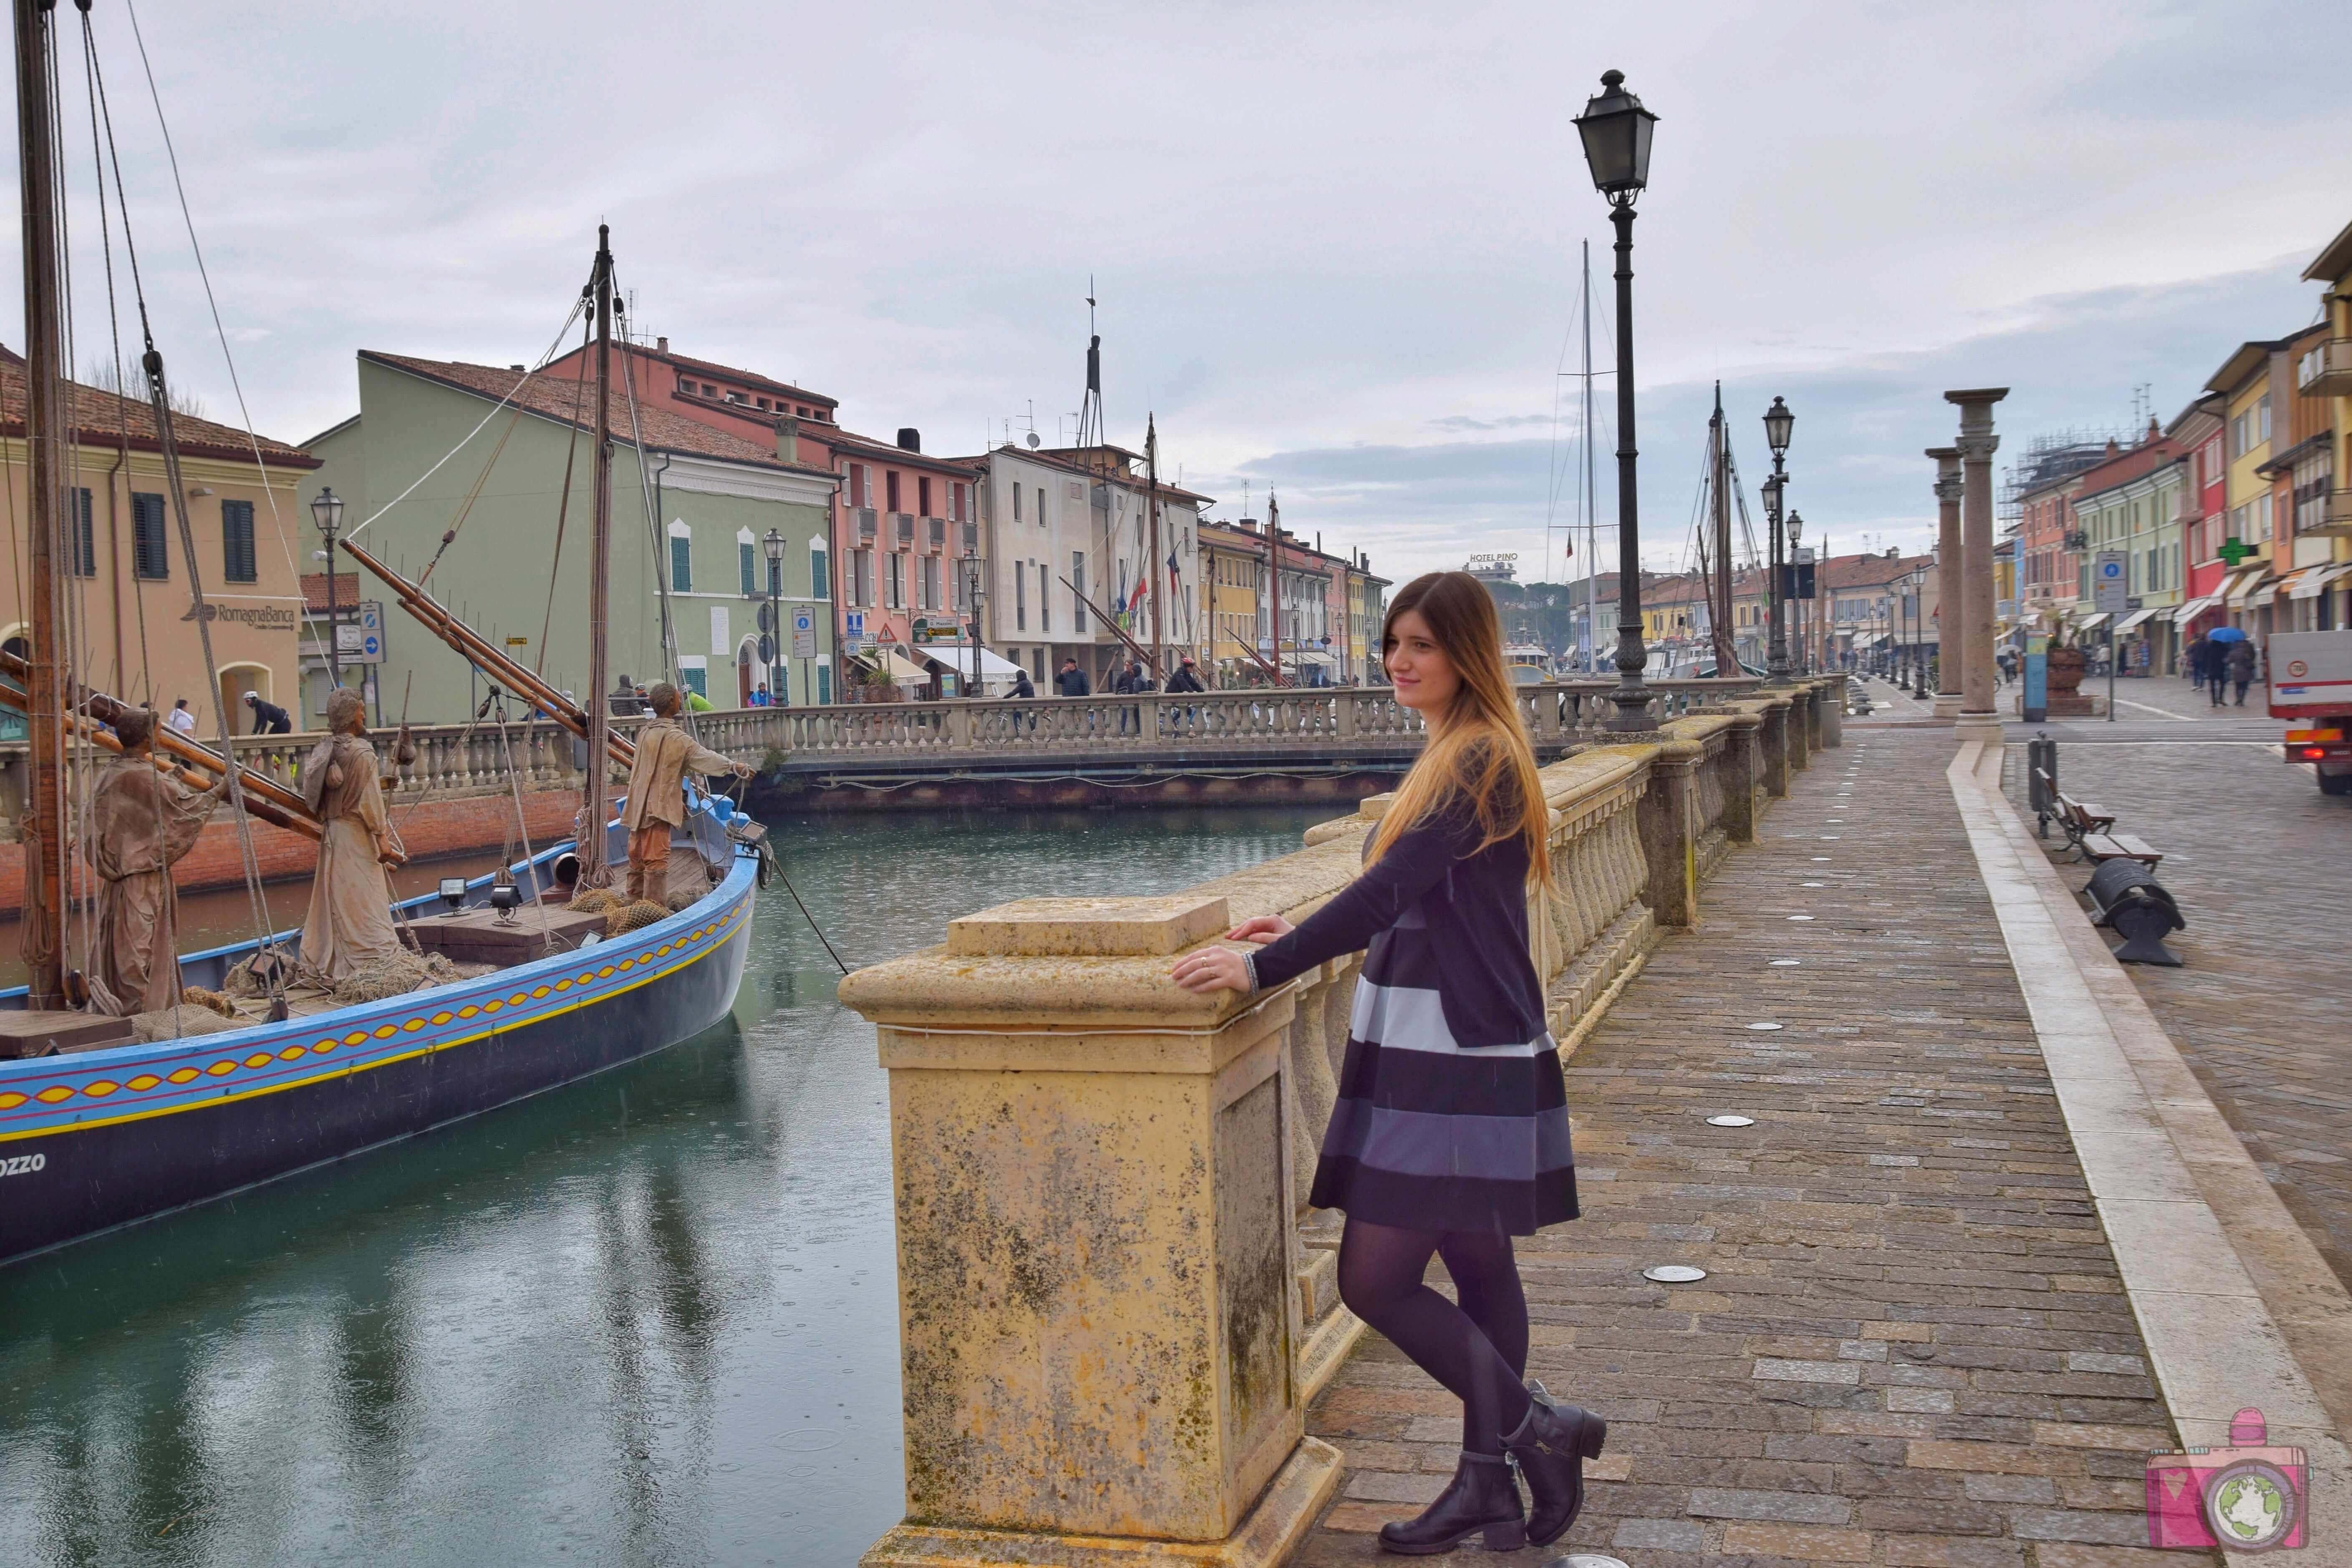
(141, 821)
(657, 800)
(349, 918)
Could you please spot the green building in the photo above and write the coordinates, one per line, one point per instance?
(696, 512)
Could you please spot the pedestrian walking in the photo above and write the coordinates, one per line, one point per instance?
(1130, 680)
(2192, 660)
(1022, 688)
(2008, 662)
(1451, 1134)
(182, 721)
(1072, 681)
(2242, 668)
(2217, 670)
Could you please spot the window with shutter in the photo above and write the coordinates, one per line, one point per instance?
(681, 565)
(820, 571)
(236, 541)
(150, 557)
(746, 554)
(84, 540)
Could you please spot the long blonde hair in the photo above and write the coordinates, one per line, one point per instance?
(1478, 754)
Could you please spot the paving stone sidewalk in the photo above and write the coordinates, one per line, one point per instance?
(1912, 1349)
(2262, 863)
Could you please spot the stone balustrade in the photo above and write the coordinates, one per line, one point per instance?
(1114, 1306)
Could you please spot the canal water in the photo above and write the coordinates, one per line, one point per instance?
(650, 1319)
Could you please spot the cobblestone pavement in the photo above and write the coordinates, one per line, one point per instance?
(1912, 1349)
(2262, 864)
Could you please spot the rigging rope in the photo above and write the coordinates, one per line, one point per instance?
(656, 535)
(563, 500)
(493, 414)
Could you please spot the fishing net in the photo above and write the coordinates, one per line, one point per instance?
(251, 975)
(684, 898)
(398, 973)
(158, 1024)
(593, 900)
(212, 999)
(633, 917)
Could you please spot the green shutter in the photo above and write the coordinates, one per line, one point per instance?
(820, 575)
(743, 556)
(681, 565)
(237, 564)
(151, 557)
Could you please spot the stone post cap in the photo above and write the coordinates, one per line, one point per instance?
(1945, 454)
(1977, 395)
(1090, 928)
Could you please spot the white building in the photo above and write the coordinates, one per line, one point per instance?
(1070, 536)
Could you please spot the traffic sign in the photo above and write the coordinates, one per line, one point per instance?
(362, 641)
(767, 649)
(2109, 584)
(803, 633)
(768, 618)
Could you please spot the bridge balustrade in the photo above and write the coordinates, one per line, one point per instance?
(1114, 1305)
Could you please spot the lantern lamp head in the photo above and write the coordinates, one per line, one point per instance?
(327, 510)
(1615, 129)
(773, 543)
(1778, 421)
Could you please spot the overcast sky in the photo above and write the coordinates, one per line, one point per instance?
(1335, 246)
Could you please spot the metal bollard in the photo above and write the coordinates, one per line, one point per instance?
(2041, 757)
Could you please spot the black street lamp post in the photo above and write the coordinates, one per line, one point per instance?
(1616, 129)
(1778, 423)
(1803, 660)
(327, 512)
(972, 597)
(773, 543)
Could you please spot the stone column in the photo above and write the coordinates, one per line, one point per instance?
(1976, 717)
(1668, 815)
(1951, 634)
(1098, 1317)
(1743, 771)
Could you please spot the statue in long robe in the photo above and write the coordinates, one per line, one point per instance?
(141, 821)
(350, 919)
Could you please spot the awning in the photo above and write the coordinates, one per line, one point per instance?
(2242, 585)
(901, 669)
(2194, 608)
(2096, 618)
(1869, 639)
(2133, 619)
(2310, 582)
(956, 658)
(1313, 656)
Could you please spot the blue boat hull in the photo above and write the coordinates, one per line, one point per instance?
(101, 1139)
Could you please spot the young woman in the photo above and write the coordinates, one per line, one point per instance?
(1450, 1133)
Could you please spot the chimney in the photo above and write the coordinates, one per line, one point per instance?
(788, 438)
(909, 438)
(661, 345)
(2113, 450)
(516, 368)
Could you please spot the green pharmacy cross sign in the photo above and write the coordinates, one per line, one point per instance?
(2234, 550)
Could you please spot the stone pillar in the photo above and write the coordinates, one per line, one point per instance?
(1976, 719)
(1098, 1317)
(1742, 771)
(1830, 703)
(1778, 727)
(1951, 633)
(1668, 814)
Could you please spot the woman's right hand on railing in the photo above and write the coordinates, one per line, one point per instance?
(1260, 928)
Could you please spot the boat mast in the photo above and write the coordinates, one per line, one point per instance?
(1591, 547)
(1273, 575)
(1727, 657)
(43, 828)
(1151, 565)
(593, 870)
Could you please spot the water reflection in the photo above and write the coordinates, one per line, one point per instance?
(646, 1319)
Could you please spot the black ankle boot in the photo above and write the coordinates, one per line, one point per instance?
(1482, 1496)
(1550, 1448)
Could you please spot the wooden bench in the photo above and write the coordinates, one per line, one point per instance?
(2089, 828)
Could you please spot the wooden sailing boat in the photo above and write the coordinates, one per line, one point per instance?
(92, 1138)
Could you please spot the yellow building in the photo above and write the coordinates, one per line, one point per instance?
(1232, 565)
(2322, 484)
(131, 617)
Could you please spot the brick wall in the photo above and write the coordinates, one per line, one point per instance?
(433, 828)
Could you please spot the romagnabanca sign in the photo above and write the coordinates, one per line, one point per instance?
(260, 617)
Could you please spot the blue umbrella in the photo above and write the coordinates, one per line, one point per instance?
(2225, 634)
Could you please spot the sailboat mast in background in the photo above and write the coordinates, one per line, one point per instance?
(593, 870)
(44, 824)
(1727, 654)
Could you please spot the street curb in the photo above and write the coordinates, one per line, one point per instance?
(2236, 1306)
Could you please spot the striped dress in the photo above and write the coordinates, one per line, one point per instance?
(1452, 1113)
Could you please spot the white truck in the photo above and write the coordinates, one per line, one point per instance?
(2311, 689)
